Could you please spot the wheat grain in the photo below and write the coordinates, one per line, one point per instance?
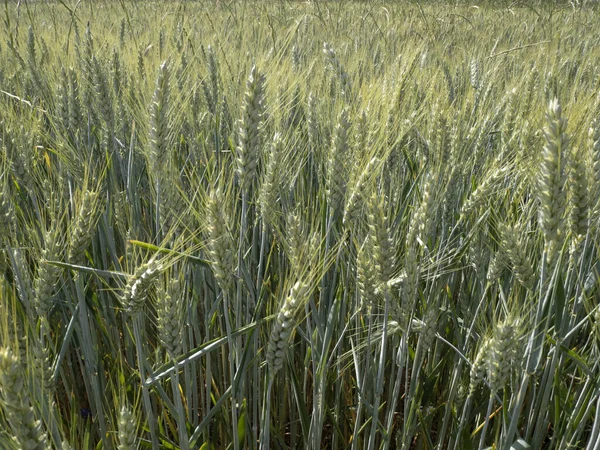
(285, 322)
(250, 129)
(221, 246)
(551, 192)
(270, 186)
(27, 431)
(358, 193)
(478, 368)
(138, 286)
(159, 119)
(81, 232)
(578, 201)
(336, 170)
(379, 236)
(46, 280)
(501, 357)
(169, 317)
(514, 249)
(366, 277)
(127, 430)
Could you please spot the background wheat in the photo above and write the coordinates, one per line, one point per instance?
(299, 225)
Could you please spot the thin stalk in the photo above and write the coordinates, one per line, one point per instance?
(380, 371)
(547, 388)
(465, 412)
(453, 390)
(261, 260)
(396, 392)
(209, 373)
(363, 388)
(594, 441)
(339, 408)
(414, 378)
(265, 434)
(255, 337)
(487, 421)
(584, 398)
(230, 343)
(181, 422)
(238, 308)
(137, 332)
(512, 428)
(91, 362)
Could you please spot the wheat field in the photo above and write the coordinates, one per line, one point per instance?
(299, 225)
